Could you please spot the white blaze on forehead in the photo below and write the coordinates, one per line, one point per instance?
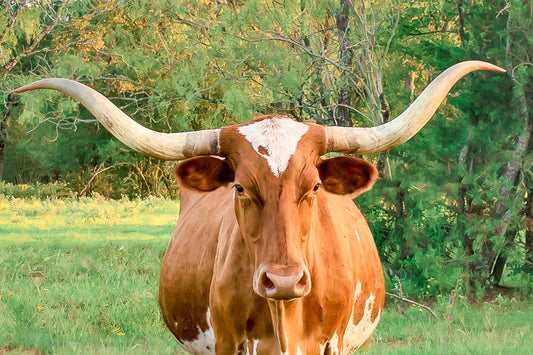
(278, 136)
(205, 342)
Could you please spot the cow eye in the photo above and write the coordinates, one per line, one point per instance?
(239, 189)
(316, 187)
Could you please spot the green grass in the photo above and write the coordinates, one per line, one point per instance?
(82, 277)
(501, 326)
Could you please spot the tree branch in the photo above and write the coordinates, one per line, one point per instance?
(279, 38)
(403, 299)
(98, 171)
(13, 20)
(462, 34)
(55, 49)
(28, 50)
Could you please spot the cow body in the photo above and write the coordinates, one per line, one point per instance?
(207, 293)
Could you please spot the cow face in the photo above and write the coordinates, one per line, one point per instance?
(275, 167)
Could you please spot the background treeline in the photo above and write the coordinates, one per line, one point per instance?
(454, 205)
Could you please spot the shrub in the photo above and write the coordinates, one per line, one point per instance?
(41, 191)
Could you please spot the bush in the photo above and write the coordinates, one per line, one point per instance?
(40, 191)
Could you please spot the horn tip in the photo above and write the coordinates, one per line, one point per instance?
(23, 89)
(499, 69)
(492, 67)
(31, 86)
(50, 83)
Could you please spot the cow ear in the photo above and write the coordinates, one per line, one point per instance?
(204, 173)
(347, 175)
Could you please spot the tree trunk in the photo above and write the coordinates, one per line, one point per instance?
(3, 129)
(501, 259)
(384, 156)
(502, 212)
(343, 116)
(528, 262)
(4, 121)
(468, 243)
(410, 84)
(401, 222)
(461, 25)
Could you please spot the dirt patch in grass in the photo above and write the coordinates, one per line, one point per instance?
(496, 291)
(394, 341)
(11, 350)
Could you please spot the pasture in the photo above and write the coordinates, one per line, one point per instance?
(81, 276)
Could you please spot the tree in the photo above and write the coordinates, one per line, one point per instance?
(519, 54)
(20, 41)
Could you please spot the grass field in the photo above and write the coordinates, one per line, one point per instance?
(82, 277)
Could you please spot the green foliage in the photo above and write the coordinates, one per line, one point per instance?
(188, 65)
(39, 191)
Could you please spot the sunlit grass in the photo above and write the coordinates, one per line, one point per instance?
(88, 219)
(81, 277)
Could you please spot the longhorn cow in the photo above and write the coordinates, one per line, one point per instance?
(270, 255)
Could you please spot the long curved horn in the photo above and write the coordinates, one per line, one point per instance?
(361, 140)
(166, 146)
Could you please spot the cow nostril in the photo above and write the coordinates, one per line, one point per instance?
(267, 282)
(302, 283)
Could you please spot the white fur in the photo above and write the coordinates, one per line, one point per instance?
(332, 344)
(355, 335)
(254, 342)
(279, 136)
(205, 343)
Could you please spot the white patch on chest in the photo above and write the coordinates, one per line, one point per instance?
(275, 139)
(332, 344)
(254, 344)
(205, 343)
(355, 335)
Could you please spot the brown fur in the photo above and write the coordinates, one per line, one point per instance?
(279, 223)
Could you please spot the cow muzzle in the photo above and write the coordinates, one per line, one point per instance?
(282, 282)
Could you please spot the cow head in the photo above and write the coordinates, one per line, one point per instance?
(275, 167)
